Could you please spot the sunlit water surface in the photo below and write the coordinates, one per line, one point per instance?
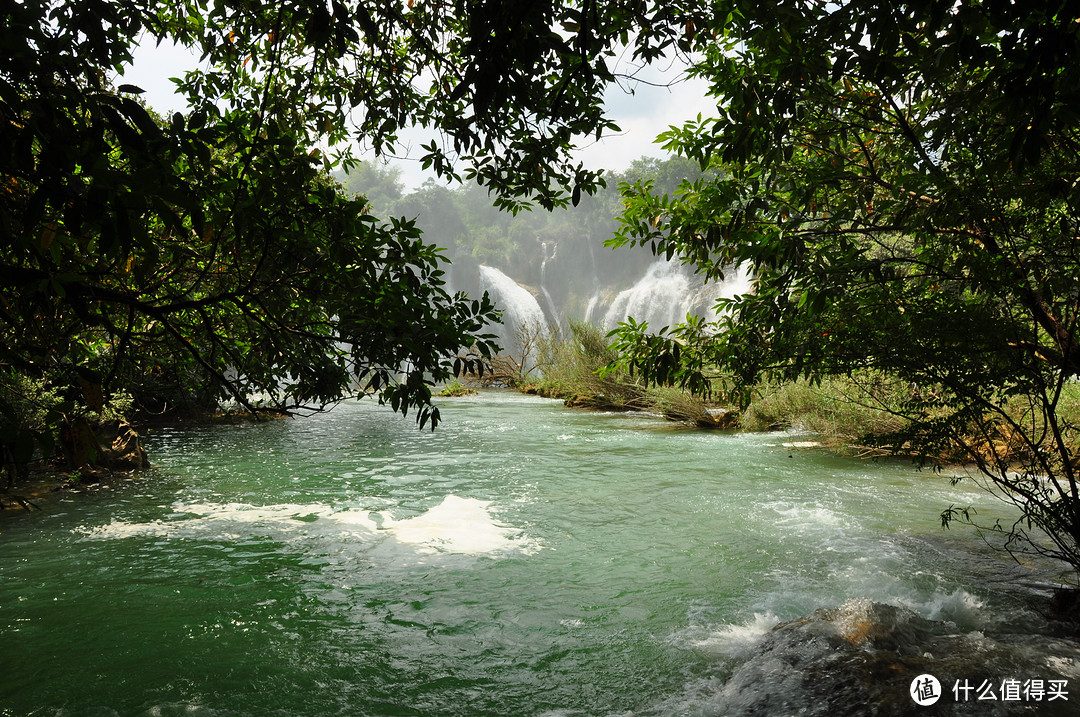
(524, 559)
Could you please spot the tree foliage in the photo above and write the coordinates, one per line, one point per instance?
(210, 247)
(900, 181)
(207, 253)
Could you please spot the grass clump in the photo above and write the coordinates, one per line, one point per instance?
(455, 389)
(873, 411)
(844, 409)
(569, 367)
(573, 365)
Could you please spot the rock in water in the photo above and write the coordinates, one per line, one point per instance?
(112, 445)
(123, 448)
(861, 658)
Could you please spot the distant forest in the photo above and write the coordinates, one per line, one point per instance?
(462, 220)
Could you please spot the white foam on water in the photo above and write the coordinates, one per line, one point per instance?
(461, 526)
(223, 520)
(958, 606)
(809, 514)
(737, 640)
(119, 529)
(171, 710)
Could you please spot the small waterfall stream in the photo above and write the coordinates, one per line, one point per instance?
(595, 298)
(554, 314)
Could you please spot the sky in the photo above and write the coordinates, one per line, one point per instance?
(650, 109)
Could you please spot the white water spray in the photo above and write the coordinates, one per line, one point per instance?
(519, 308)
(668, 292)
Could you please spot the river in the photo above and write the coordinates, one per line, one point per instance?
(524, 559)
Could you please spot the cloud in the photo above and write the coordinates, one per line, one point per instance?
(151, 69)
(643, 115)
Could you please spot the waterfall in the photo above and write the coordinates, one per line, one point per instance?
(519, 307)
(660, 297)
(595, 298)
(552, 311)
(668, 292)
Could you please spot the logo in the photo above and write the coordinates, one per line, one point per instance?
(925, 690)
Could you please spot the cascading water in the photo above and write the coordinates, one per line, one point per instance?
(552, 311)
(667, 293)
(519, 308)
(595, 298)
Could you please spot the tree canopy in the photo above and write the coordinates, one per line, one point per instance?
(207, 254)
(461, 219)
(900, 181)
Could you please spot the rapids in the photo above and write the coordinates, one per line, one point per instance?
(524, 559)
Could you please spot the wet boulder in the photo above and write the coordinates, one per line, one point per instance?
(862, 658)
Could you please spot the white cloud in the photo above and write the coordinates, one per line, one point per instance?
(642, 116)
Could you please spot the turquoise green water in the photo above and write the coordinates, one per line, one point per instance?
(524, 559)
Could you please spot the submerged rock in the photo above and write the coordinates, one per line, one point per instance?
(861, 659)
